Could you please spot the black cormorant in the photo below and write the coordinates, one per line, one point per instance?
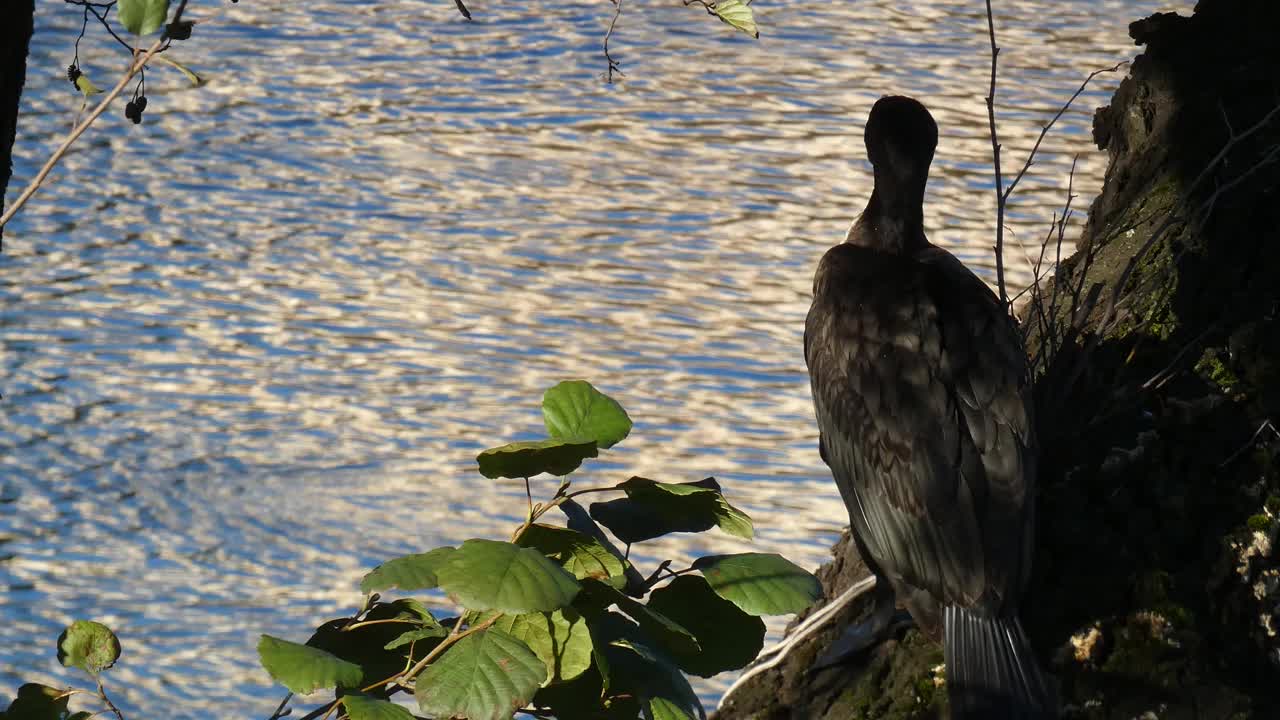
(921, 391)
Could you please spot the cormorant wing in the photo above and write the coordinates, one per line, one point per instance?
(918, 381)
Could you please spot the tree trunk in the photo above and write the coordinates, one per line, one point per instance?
(16, 22)
(1157, 353)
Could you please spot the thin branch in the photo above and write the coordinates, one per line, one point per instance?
(445, 644)
(282, 709)
(462, 9)
(1045, 130)
(1266, 425)
(135, 65)
(995, 154)
(613, 65)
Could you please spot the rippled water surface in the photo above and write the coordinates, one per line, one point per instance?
(250, 348)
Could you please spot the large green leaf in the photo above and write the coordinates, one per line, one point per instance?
(88, 645)
(38, 702)
(360, 707)
(370, 644)
(560, 639)
(668, 633)
(579, 520)
(581, 698)
(760, 583)
(575, 410)
(664, 692)
(527, 459)
(729, 637)
(486, 675)
(142, 17)
(581, 555)
(492, 575)
(304, 669)
(411, 572)
(738, 14)
(652, 509)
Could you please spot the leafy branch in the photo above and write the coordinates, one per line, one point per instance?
(542, 622)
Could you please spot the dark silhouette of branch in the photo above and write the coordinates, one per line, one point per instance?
(613, 65)
(995, 154)
(1045, 130)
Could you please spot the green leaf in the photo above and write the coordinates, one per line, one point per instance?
(411, 572)
(581, 698)
(408, 609)
(653, 509)
(737, 14)
(581, 555)
(367, 645)
(733, 521)
(86, 86)
(575, 410)
(492, 575)
(38, 702)
(660, 708)
(88, 645)
(486, 675)
(192, 76)
(560, 639)
(667, 632)
(729, 637)
(305, 669)
(142, 17)
(665, 693)
(579, 520)
(416, 635)
(760, 583)
(360, 707)
(527, 459)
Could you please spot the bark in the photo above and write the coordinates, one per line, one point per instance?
(16, 22)
(1156, 589)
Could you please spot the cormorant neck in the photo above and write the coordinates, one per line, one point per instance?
(893, 220)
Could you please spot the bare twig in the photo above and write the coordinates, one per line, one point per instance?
(282, 710)
(135, 65)
(613, 65)
(462, 9)
(1266, 425)
(1045, 130)
(995, 154)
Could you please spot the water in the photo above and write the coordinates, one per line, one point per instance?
(250, 348)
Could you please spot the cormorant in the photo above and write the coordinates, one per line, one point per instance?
(921, 391)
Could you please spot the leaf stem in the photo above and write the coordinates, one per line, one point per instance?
(102, 693)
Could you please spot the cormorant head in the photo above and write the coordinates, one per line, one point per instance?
(901, 137)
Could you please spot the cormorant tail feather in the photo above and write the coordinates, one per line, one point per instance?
(991, 671)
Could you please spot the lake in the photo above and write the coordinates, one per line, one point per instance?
(250, 348)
